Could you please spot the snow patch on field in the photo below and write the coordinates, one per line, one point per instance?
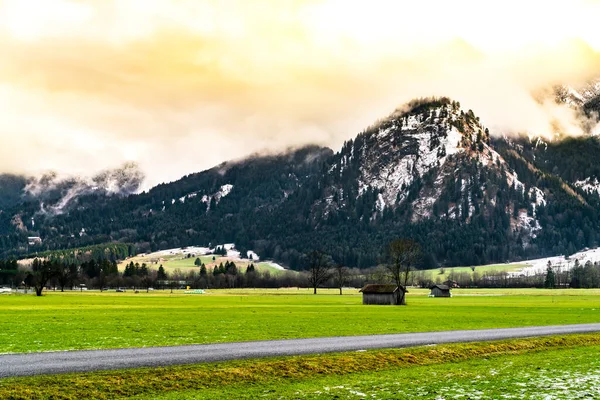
(552, 385)
(274, 265)
(196, 250)
(544, 384)
(184, 251)
(539, 265)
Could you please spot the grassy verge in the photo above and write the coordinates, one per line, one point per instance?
(386, 373)
(481, 269)
(112, 320)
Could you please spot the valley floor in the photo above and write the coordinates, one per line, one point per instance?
(94, 320)
(561, 367)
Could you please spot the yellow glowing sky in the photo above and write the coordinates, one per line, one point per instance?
(181, 85)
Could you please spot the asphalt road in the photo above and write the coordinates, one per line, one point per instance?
(12, 365)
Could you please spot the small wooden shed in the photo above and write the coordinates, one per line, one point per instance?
(440, 291)
(383, 294)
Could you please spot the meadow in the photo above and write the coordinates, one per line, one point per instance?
(173, 262)
(442, 274)
(93, 320)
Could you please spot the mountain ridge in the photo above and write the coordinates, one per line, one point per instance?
(430, 171)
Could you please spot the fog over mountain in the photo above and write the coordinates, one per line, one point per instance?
(55, 193)
(181, 86)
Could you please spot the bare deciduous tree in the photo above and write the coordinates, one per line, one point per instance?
(401, 256)
(319, 268)
(66, 274)
(341, 273)
(41, 273)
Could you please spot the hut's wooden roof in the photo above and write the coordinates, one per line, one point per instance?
(381, 289)
(441, 287)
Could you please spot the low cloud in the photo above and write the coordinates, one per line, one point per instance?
(181, 86)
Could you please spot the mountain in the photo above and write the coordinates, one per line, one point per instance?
(217, 203)
(585, 98)
(429, 171)
(11, 190)
(28, 204)
(55, 193)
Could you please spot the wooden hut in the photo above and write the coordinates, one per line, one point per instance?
(383, 294)
(440, 291)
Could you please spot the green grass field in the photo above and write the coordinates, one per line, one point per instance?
(92, 320)
(434, 274)
(173, 262)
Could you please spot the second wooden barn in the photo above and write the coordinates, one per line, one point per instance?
(440, 291)
(383, 294)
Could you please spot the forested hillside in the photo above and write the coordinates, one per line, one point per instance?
(429, 171)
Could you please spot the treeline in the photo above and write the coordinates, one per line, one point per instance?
(106, 251)
(104, 274)
(66, 268)
(483, 280)
(8, 271)
(584, 276)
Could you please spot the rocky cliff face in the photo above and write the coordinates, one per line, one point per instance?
(433, 160)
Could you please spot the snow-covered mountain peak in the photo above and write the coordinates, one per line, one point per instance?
(427, 151)
(578, 96)
(407, 145)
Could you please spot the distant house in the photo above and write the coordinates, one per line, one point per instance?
(440, 291)
(33, 240)
(383, 294)
(451, 284)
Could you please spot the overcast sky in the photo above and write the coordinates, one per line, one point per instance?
(179, 86)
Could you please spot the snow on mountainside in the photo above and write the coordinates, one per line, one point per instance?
(590, 91)
(223, 191)
(589, 185)
(55, 193)
(578, 96)
(410, 157)
(585, 100)
(416, 144)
